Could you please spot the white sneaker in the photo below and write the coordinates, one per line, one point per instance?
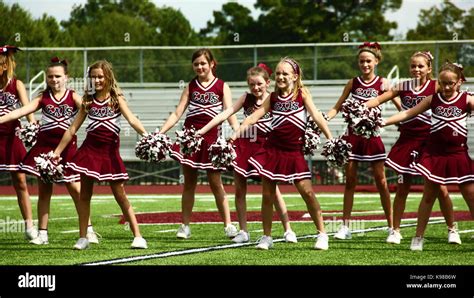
(290, 236)
(139, 242)
(453, 237)
(42, 239)
(184, 232)
(343, 233)
(31, 233)
(241, 237)
(394, 237)
(93, 237)
(81, 244)
(230, 231)
(416, 244)
(265, 242)
(322, 243)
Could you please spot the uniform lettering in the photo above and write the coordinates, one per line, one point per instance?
(410, 101)
(101, 112)
(58, 111)
(8, 99)
(208, 97)
(286, 106)
(367, 93)
(448, 111)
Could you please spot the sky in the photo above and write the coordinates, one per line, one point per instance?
(199, 12)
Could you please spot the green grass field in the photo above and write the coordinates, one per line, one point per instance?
(209, 246)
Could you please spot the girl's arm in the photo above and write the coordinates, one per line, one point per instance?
(22, 95)
(375, 102)
(132, 119)
(397, 103)
(227, 103)
(27, 109)
(337, 107)
(470, 103)
(77, 100)
(72, 130)
(316, 115)
(405, 115)
(176, 115)
(252, 119)
(223, 116)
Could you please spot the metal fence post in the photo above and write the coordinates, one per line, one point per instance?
(141, 65)
(85, 61)
(315, 63)
(255, 55)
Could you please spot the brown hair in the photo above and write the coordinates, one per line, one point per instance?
(371, 47)
(110, 85)
(455, 68)
(208, 55)
(260, 70)
(55, 61)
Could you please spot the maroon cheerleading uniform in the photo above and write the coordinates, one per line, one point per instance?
(281, 157)
(12, 150)
(205, 103)
(445, 159)
(364, 149)
(57, 116)
(99, 156)
(251, 142)
(414, 132)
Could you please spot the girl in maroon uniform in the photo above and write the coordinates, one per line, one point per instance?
(204, 98)
(98, 158)
(413, 136)
(282, 158)
(12, 150)
(371, 150)
(258, 80)
(445, 159)
(59, 106)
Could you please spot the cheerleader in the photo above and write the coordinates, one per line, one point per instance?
(12, 150)
(282, 158)
(412, 141)
(58, 107)
(371, 150)
(445, 159)
(204, 97)
(258, 80)
(98, 158)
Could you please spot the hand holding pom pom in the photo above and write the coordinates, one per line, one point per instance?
(222, 153)
(49, 168)
(312, 136)
(189, 141)
(153, 147)
(28, 134)
(363, 121)
(336, 152)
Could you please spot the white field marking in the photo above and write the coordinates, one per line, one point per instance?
(152, 198)
(465, 231)
(166, 231)
(221, 247)
(69, 232)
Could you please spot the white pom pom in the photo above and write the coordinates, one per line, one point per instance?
(222, 153)
(336, 152)
(188, 141)
(28, 134)
(153, 147)
(50, 170)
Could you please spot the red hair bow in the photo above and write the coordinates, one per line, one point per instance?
(370, 45)
(6, 49)
(57, 60)
(266, 68)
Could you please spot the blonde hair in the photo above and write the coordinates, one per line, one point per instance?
(299, 82)
(428, 58)
(9, 60)
(110, 85)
